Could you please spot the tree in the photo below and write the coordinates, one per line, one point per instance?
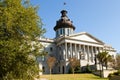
(103, 58)
(108, 58)
(117, 61)
(19, 28)
(51, 62)
(74, 62)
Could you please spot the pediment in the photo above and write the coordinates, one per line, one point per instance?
(83, 36)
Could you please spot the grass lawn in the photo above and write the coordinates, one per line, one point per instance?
(72, 77)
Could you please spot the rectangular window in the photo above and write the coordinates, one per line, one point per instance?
(63, 31)
(51, 49)
(57, 33)
(68, 31)
(60, 31)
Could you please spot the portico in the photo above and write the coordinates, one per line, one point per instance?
(85, 51)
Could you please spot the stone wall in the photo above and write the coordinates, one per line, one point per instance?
(107, 72)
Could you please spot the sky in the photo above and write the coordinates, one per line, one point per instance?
(100, 18)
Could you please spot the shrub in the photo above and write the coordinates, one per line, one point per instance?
(117, 73)
(77, 70)
(88, 69)
(113, 74)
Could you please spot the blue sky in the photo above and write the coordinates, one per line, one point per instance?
(100, 18)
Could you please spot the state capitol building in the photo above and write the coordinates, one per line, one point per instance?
(68, 44)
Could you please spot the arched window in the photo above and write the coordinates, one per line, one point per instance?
(63, 70)
(43, 68)
(51, 49)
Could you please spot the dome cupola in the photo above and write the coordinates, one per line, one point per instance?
(64, 26)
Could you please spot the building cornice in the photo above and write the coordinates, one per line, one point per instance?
(85, 33)
(68, 38)
(47, 40)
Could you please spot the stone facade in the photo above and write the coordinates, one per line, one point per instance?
(68, 44)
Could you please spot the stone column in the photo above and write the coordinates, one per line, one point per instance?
(96, 54)
(70, 49)
(63, 51)
(88, 53)
(66, 56)
(92, 54)
(95, 50)
(84, 52)
(75, 51)
(79, 49)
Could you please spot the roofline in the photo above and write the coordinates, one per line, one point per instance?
(87, 34)
(68, 38)
(46, 40)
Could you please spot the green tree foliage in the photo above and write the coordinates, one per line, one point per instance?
(19, 28)
(51, 62)
(88, 69)
(74, 62)
(117, 65)
(103, 58)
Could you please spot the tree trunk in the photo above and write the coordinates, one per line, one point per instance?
(102, 71)
(73, 71)
(106, 66)
(73, 74)
(50, 71)
(50, 74)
